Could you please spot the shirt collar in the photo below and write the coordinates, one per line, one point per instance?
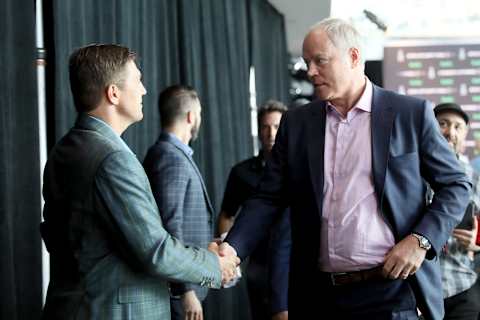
(98, 120)
(179, 143)
(365, 101)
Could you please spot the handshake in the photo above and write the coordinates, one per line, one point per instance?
(229, 262)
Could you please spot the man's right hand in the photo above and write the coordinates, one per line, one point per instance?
(192, 306)
(228, 260)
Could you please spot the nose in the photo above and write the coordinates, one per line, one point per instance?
(311, 70)
(144, 90)
(273, 132)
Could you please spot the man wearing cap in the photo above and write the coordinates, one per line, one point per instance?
(456, 259)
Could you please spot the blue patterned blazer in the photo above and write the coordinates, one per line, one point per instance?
(111, 257)
(181, 197)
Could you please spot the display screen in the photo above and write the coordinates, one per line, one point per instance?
(440, 71)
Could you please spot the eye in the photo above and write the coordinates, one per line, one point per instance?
(320, 61)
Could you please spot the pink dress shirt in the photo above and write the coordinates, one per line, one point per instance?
(354, 234)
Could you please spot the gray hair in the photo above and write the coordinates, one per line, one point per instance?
(342, 34)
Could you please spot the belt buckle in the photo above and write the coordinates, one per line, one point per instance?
(334, 274)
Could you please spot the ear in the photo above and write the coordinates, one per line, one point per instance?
(190, 117)
(113, 94)
(354, 55)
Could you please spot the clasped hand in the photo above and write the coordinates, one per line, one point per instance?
(228, 259)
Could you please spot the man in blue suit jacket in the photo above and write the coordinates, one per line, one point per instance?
(353, 166)
(179, 189)
(111, 258)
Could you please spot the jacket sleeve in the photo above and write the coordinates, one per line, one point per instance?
(281, 244)
(261, 210)
(133, 219)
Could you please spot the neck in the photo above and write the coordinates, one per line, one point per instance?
(181, 132)
(111, 118)
(266, 154)
(346, 103)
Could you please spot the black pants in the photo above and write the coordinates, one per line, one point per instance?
(258, 290)
(463, 306)
(367, 300)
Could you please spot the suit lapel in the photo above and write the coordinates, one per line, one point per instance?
(382, 123)
(205, 193)
(315, 148)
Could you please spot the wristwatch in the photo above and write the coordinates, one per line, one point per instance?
(422, 241)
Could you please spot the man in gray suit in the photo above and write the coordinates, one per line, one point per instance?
(179, 189)
(111, 258)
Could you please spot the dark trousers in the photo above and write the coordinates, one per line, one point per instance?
(176, 309)
(463, 306)
(374, 299)
(258, 291)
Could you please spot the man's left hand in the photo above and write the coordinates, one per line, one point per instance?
(404, 259)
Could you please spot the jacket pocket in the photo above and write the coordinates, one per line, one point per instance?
(143, 293)
(404, 156)
(403, 159)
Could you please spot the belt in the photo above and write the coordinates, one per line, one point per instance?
(343, 278)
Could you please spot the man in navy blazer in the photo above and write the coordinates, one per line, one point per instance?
(353, 167)
(179, 189)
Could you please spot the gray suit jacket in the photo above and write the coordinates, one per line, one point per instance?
(111, 258)
(181, 197)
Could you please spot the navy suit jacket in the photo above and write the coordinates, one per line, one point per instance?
(408, 151)
(181, 197)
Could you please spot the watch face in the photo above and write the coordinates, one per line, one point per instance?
(425, 243)
(422, 241)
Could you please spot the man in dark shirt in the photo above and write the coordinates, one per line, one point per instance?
(267, 271)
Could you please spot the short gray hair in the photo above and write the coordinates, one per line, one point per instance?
(342, 34)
